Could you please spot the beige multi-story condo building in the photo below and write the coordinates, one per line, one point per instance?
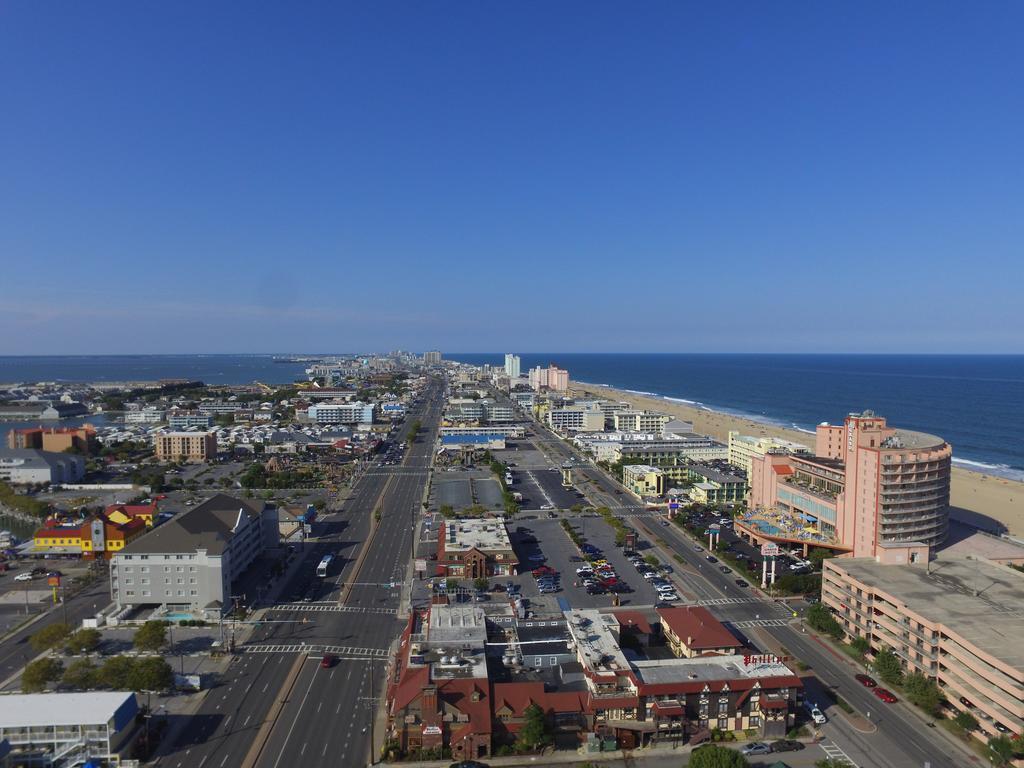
(744, 448)
(186, 446)
(957, 621)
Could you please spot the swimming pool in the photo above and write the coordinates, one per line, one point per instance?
(768, 528)
(178, 617)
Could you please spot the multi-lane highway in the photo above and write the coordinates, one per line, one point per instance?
(896, 737)
(325, 715)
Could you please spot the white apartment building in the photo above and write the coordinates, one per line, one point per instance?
(189, 563)
(576, 418)
(148, 415)
(640, 421)
(512, 366)
(341, 413)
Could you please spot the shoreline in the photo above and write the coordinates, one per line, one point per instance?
(984, 500)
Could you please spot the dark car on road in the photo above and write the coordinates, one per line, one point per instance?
(741, 583)
(866, 681)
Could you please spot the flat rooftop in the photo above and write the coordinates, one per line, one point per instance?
(486, 534)
(906, 438)
(597, 642)
(980, 601)
(706, 669)
(459, 626)
(29, 710)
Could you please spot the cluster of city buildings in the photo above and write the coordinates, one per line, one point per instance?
(464, 679)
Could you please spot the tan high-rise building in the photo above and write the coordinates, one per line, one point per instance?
(186, 446)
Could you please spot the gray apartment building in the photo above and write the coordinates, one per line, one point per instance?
(188, 564)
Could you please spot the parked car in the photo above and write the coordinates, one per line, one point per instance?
(23, 577)
(885, 695)
(711, 559)
(817, 716)
(787, 745)
(742, 583)
(757, 748)
(866, 681)
(724, 569)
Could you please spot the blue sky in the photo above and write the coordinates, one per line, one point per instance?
(219, 177)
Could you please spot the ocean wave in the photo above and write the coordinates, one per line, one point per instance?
(680, 400)
(998, 470)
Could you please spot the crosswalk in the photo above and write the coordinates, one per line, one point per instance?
(332, 608)
(836, 754)
(750, 623)
(341, 651)
(729, 601)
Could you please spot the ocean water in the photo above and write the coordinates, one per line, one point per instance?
(976, 402)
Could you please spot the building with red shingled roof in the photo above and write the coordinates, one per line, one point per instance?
(693, 630)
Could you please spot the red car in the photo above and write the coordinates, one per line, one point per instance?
(544, 570)
(885, 695)
(866, 681)
(608, 581)
(328, 660)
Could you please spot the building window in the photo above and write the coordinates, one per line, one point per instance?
(145, 593)
(723, 723)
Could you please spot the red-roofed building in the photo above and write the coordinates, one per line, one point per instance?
(97, 537)
(636, 624)
(122, 513)
(693, 631)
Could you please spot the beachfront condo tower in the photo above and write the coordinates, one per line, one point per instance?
(870, 488)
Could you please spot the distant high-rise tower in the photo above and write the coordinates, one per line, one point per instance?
(512, 366)
(432, 358)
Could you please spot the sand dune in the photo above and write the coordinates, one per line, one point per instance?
(985, 501)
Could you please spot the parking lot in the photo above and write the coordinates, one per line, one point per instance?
(557, 550)
(534, 476)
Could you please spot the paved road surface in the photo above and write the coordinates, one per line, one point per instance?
(326, 719)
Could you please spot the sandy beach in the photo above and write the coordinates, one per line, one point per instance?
(988, 502)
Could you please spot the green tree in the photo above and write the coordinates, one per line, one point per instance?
(81, 674)
(820, 618)
(151, 636)
(151, 674)
(888, 667)
(116, 672)
(966, 720)
(828, 762)
(715, 756)
(39, 673)
(481, 583)
(1000, 750)
(923, 692)
(48, 637)
(860, 645)
(534, 732)
(83, 641)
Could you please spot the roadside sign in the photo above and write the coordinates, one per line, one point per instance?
(770, 549)
(421, 565)
(53, 581)
(715, 527)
